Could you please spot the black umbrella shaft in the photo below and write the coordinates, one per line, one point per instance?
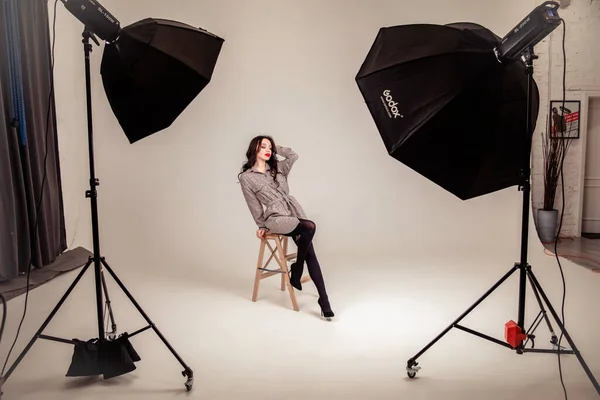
(92, 192)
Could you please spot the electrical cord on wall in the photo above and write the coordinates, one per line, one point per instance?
(562, 179)
(39, 202)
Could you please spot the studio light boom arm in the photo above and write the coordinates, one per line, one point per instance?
(530, 31)
(95, 17)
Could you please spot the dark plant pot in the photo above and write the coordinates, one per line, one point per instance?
(547, 224)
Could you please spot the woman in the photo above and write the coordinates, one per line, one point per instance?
(264, 182)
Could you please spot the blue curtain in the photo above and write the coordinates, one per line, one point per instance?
(12, 38)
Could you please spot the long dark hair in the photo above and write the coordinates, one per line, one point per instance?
(253, 148)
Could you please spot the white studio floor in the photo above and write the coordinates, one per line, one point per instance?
(386, 311)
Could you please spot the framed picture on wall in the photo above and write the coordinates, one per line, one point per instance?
(564, 119)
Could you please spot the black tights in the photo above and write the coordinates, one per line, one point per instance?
(303, 235)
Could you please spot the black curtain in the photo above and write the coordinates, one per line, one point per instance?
(27, 131)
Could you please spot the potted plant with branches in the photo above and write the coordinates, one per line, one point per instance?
(554, 147)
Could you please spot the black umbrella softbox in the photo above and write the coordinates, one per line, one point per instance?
(154, 70)
(446, 107)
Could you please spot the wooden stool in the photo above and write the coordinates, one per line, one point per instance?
(281, 247)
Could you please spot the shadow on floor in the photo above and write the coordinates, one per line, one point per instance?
(67, 261)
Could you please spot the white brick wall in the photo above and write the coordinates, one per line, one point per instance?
(582, 19)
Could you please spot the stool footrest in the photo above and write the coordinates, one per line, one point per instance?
(268, 274)
(272, 270)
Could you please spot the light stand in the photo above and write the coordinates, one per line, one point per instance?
(97, 259)
(514, 333)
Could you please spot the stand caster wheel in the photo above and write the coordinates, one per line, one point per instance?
(190, 380)
(188, 384)
(411, 370)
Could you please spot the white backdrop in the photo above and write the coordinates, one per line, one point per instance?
(287, 68)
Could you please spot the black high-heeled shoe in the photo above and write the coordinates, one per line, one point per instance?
(326, 311)
(296, 276)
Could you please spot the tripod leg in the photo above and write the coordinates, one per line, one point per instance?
(187, 372)
(47, 321)
(112, 334)
(410, 367)
(564, 331)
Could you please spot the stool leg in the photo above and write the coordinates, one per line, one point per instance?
(285, 252)
(286, 276)
(261, 254)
